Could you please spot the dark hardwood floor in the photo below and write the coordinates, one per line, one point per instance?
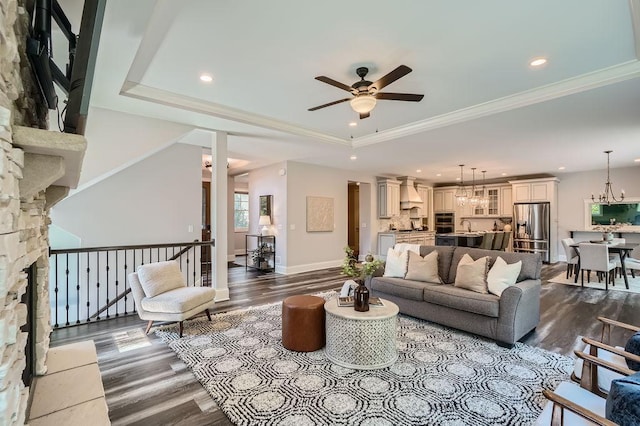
(146, 384)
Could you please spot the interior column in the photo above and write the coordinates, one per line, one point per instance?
(219, 216)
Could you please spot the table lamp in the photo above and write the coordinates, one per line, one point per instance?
(265, 222)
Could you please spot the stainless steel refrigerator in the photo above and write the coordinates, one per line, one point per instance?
(531, 228)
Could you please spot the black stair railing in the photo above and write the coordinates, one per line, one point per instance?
(90, 284)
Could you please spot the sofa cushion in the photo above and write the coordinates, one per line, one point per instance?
(400, 287)
(633, 346)
(502, 275)
(156, 278)
(178, 300)
(463, 299)
(396, 264)
(472, 274)
(445, 254)
(531, 263)
(423, 268)
(623, 401)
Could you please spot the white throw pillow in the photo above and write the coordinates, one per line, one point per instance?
(502, 275)
(160, 277)
(472, 274)
(423, 268)
(396, 264)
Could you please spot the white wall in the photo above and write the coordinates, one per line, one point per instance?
(153, 201)
(119, 139)
(574, 188)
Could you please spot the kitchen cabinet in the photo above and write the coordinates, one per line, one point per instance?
(534, 190)
(506, 202)
(388, 198)
(444, 200)
(425, 195)
(387, 240)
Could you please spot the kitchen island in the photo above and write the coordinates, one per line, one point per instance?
(461, 239)
(389, 239)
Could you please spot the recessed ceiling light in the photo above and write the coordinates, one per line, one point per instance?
(504, 174)
(206, 78)
(637, 160)
(538, 62)
(419, 171)
(439, 174)
(561, 168)
(357, 183)
(354, 157)
(457, 178)
(353, 124)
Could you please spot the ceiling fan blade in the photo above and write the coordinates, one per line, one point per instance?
(334, 83)
(364, 115)
(399, 72)
(329, 104)
(399, 97)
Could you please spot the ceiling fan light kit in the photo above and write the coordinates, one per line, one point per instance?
(363, 104)
(365, 93)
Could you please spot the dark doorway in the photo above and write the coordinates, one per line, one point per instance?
(353, 221)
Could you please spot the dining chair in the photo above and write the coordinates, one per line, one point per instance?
(595, 257)
(497, 241)
(615, 257)
(487, 240)
(632, 261)
(572, 256)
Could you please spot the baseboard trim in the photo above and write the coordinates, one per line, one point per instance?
(298, 269)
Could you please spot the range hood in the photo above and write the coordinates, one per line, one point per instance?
(409, 197)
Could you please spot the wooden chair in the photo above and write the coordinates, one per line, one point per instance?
(487, 241)
(598, 380)
(572, 256)
(595, 257)
(497, 241)
(573, 405)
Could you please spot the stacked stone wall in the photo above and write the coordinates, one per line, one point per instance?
(23, 222)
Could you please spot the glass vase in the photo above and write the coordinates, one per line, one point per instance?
(361, 297)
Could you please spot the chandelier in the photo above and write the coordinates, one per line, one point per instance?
(603, 197)
(461, 193)
(484, 200)
(474, 200)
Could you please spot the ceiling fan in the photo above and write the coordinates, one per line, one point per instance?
(365, 93)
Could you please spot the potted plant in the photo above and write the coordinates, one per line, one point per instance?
(608, 230)
(259, 256)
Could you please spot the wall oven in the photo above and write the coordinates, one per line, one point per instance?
(445, 223)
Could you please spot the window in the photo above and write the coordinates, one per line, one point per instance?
(241, 212)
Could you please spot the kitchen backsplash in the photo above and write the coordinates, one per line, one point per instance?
(399, 222)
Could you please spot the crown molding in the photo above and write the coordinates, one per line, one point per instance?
(581, 83)
(164, 97)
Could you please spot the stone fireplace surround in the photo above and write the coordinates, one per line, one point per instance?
(37, 168)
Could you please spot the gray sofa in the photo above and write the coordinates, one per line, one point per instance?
(504, 319)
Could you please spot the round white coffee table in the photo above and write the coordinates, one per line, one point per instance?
(361, 340)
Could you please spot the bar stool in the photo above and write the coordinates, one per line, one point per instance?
(497, 241)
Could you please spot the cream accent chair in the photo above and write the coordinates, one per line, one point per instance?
(160, 293)
(572, 256)
(595, 257)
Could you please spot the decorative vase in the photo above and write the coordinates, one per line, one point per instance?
(607, 236)
(361, 297)
(368, 258)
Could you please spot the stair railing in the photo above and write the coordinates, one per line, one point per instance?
(90, 284)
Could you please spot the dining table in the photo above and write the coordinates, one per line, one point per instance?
(623, 251)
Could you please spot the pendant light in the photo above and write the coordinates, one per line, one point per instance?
(461, 193)
(484, 200)
(474, 200)
(603, 197)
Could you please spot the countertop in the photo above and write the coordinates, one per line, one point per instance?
(619, 231)
(396, 232)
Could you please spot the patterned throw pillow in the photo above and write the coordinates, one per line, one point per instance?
(623, 401)
(423, 268)
(633, 346)
(396, 264)
(472, 274)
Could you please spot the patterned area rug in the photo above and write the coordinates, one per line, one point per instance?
(634, 283)
(441, 377)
